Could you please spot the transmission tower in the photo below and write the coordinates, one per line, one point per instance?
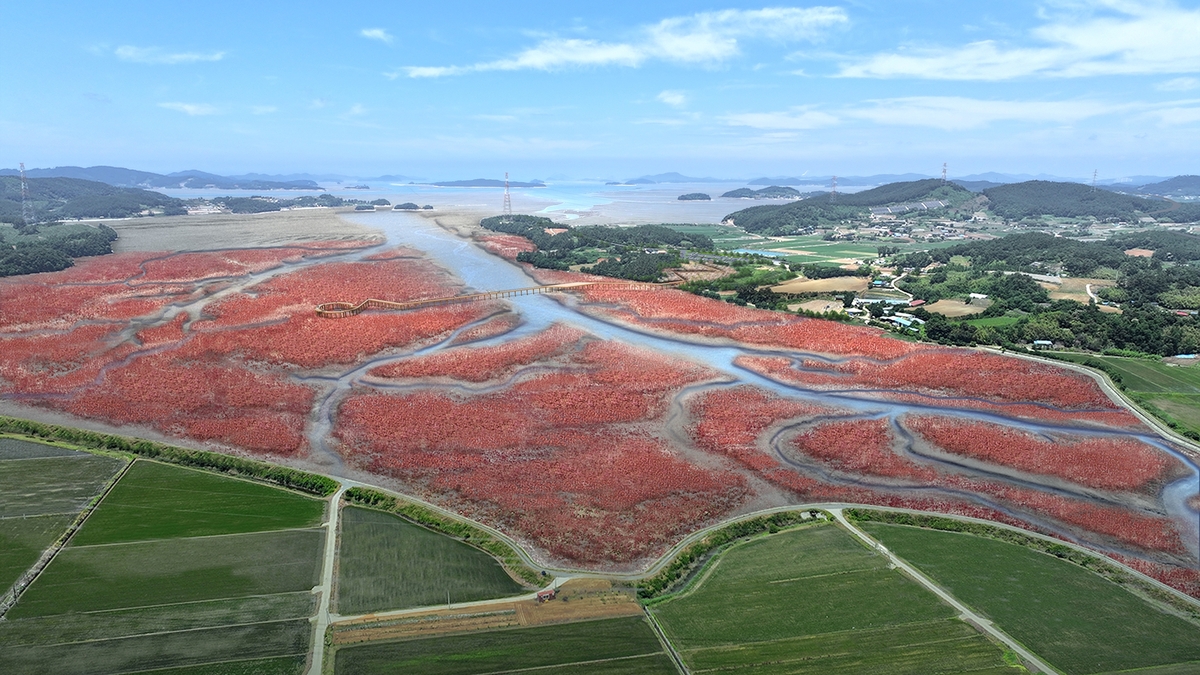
(943, 173)
(833, 192)
(507, 211)
(1095, 173)
(26, 206)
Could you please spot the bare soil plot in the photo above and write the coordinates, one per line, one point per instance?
(832, 285)
(387, 563)
(624, 645)
(820, 306)
(61, 484)
(231, 230)
(1140, 253)
(954, 308)
(578, 600)
(1075, 289)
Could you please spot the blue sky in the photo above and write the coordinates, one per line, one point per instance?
(615, 89)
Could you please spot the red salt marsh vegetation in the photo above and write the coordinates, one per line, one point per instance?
(1098, 462)
(567, 460)
(67, 340)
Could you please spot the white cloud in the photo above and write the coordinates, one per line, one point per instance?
(1180, 84)
(355, 110)
(707, 37)
(376, 34)
(953, 112)
(796, 119)
(318, 103)
(263, 109)
(1177, 115)
(675, 99)
(159, 56)
(940, 112)
(1106, 37)
(191, 108)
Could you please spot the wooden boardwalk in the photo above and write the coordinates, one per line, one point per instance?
(341, 310)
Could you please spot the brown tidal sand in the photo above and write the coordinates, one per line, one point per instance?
(236, 230)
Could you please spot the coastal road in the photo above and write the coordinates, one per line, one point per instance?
(965, 613)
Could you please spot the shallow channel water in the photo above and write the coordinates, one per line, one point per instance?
(482, 271)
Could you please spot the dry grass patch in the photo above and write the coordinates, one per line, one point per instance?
(832, 285)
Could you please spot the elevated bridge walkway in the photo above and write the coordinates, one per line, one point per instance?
(341, 310)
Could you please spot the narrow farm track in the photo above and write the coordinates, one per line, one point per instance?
(329, 564)
(965, 613)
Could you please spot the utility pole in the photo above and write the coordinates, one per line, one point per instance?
(26, 205)
(507, 211)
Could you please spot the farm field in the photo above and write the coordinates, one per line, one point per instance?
(1174, 390)
(956, 308)
(1071, 617)
(42, 490)
(624, 645)
(814, 600)
(160, 501)
(386, 562)
(833, 285)
(163, 597)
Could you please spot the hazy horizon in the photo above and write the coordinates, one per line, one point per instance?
(736, 89)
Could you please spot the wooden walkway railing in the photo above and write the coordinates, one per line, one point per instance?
(341, 310)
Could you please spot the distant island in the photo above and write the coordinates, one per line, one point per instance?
(487, 182)
(772, 192)
(120, 177)
(694, 197)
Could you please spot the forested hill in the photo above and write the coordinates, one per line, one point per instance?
(1036, 198)
(66, 198)
(1038, 251)
(826, 209)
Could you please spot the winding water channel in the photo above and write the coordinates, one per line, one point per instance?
(482, 271)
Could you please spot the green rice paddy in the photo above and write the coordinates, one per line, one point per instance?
(177, 572)
(1076, 620)
(160, 501)
(1173, 390)
(386, 563)
(22, 541)
(814, 600)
